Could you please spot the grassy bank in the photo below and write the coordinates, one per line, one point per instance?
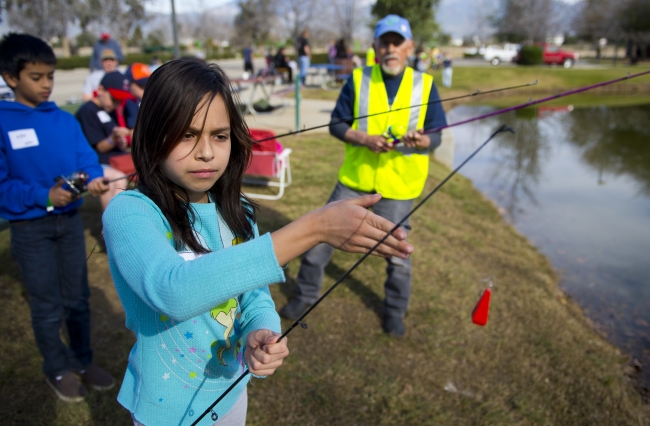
(537, 362)
(551, 80)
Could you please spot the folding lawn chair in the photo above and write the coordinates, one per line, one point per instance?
(269, 165)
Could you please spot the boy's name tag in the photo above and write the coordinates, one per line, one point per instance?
(23, 138)
(103, 117)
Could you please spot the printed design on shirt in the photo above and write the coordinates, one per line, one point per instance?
(224, 314)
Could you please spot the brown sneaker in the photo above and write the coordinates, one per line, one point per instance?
(97, 377)
(67, 387)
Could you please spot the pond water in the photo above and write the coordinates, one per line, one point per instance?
(576, 183)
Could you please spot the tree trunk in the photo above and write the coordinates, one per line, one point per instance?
(65, 45)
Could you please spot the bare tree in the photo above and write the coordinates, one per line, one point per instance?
(529, 20)
(599, 19)
(121, 16)
(346, 13)
(255, 21)
(297, 15)
(43, 18)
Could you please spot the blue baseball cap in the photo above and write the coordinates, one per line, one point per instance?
(393, 24)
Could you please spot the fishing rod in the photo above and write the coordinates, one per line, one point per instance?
(478, 92)
(214, 416)
(533, 102)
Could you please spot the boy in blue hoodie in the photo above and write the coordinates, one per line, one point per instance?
(38, 143)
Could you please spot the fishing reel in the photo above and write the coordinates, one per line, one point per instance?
(75, 182)
(394, 132)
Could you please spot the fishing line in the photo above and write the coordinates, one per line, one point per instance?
(478, 92)
(299, 321)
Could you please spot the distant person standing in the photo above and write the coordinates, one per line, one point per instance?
(447, 71)
(105, 42)
(304, 55)
(370, 57)
(248, 59)
(331, 51)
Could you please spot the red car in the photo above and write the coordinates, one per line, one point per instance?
(553, 55)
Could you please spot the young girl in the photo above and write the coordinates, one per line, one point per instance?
(188, 263)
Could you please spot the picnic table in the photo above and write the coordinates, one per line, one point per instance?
(265, 85)
(327, 74)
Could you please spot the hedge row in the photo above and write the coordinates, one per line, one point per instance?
(531, 55)
(84, 61)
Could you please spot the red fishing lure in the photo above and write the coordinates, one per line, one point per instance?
(482, 308)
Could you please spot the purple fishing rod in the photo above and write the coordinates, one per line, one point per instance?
(532, 102)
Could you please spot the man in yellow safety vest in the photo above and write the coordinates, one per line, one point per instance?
(373, 164)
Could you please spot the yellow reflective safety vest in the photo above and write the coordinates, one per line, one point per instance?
(399, 174)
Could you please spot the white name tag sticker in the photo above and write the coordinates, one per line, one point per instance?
(23, 138)
(103, 116)
(187, 255)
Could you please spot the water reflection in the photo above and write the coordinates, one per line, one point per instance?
(577, 184)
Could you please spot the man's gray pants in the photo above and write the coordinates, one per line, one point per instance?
(398, 283)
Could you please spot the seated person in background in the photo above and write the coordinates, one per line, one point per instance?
(99, 124)
(109, 64)
(281, 63)
(137, 74)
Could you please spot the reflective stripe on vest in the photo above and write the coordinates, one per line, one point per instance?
(401, 173)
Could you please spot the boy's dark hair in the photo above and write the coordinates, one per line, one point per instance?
(16, 50)
(174, 91)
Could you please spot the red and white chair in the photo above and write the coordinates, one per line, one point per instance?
(269, 165)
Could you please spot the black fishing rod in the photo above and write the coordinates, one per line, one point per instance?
(478, 92)
(214, 416)
(503, 128)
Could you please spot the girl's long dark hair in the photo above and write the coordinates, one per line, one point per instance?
(171, 97)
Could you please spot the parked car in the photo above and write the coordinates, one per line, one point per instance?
(553, 55)
(497, 54)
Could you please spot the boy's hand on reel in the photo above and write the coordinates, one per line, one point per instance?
(264, 353)
(98, 186)
(60, 197)
(351, 227)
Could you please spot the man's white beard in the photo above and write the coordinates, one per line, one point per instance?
(391, 71)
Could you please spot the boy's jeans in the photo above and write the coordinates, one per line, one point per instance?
(398, 283)
(51, 252)
(446, 76)
(303, 63)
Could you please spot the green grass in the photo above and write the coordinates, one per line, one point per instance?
(552, 80)
(71, 108)
(537, 362)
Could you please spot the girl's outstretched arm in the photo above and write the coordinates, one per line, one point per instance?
(346, 225)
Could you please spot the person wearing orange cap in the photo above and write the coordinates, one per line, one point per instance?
(105, 42)
(138, 75)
